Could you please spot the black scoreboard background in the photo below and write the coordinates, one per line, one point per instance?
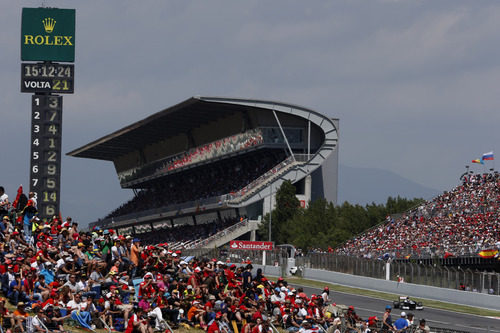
(45, 166)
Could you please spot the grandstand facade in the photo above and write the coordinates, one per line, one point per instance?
(211, 158)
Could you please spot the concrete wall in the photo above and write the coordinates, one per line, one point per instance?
(406, 289)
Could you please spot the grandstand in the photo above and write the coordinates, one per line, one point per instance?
(211, 160)
(460, 226)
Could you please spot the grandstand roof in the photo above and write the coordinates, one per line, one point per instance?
(159, 126)
(168, 123)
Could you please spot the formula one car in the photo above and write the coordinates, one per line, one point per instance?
(405, 303)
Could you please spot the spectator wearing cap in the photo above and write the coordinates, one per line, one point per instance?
(289, 321)
(146, 287)
(401, 323)
(195, 278)
(277, 298)
(195, 314)
(214, 325)
(47, 272)
(93, 260)
(20, 315)
(135, 255)
(325, 295)
(29, 213)
(209, 308)
(387, 319)
(110, 309)
(185, 269)
(6, 226)
(352, 319)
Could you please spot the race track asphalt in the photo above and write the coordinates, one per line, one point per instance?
(368, 306)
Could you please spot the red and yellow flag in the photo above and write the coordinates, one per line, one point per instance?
(490, 253)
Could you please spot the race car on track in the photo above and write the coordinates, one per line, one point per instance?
(405, 303)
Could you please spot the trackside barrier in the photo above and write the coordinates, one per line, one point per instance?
(277, 266)
(440, 294)
(412, 271)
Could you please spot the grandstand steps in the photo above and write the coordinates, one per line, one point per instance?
(226, 235)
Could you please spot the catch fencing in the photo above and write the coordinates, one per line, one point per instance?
(411, 272)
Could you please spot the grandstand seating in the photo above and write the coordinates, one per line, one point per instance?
(215, 179)
(185, 236)
(461, 222)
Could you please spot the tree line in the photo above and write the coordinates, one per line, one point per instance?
(322, 224)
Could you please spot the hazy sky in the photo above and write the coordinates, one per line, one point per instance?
(414, 83)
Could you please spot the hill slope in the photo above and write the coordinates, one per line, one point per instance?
(366, 185)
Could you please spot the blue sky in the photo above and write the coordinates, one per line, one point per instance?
(414, 83)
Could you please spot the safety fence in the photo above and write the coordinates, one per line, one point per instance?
(447, 277)
(411, 272)
(424, 252)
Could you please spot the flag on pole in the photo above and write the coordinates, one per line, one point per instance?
(488, 156)
(478, 161)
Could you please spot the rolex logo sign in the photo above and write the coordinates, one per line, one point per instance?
(48, 34)
(48, 24)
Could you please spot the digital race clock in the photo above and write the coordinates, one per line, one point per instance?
(47, 77)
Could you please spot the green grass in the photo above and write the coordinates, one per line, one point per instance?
(391, 297)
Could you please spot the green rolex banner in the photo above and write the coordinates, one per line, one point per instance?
(48, 34)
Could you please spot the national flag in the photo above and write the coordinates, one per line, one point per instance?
(488, 156)
(478, 161)
(447, 254)
(18, 196)
(487, 254)
(408, 257)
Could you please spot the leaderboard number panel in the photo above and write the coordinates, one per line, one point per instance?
(37, 142)
(48, 164)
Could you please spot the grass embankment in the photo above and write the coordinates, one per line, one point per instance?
(391, 297)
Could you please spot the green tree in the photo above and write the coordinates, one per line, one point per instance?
(321, 224)
(287, 205)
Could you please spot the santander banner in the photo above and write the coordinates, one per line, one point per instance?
(249, 245)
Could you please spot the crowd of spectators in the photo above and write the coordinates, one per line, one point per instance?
(188, 232)
(462, 221)
(212, 180)
(56, 275)
(212, 150)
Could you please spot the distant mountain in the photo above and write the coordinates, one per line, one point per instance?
(366, 185)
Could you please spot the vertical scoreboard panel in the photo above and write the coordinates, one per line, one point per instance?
(45, 172)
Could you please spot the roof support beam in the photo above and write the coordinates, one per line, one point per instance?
(284, 136)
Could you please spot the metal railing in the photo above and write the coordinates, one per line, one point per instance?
(275, 257)
(218, 235)
(263, 180)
